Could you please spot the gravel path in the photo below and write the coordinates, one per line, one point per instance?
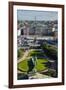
(24, 56)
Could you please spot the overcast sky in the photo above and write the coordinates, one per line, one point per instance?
(40, 15)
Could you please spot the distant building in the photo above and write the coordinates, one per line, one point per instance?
(18, 32)
(55, 31)
(39, 29)
(24, 30)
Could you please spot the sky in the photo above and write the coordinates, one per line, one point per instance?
(39, 15)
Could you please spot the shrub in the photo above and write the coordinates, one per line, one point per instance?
(50, 51)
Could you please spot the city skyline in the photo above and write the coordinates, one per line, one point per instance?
(38, 15)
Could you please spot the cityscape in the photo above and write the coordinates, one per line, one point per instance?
(37, 45)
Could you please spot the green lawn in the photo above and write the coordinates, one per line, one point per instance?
(35, 53)
(23, 65)
(39, 66)
(26, 65)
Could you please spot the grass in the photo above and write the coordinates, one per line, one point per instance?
(26, 65)
(20, 53)
(36, 53)
(50, 47)
(23, 65)
(50, 51)
(39, 66)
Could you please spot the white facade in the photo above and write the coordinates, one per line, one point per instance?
(18, 32)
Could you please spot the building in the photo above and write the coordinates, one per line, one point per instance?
(38, 29)
(24, 30)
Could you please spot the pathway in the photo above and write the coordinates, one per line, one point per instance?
(24, 56)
